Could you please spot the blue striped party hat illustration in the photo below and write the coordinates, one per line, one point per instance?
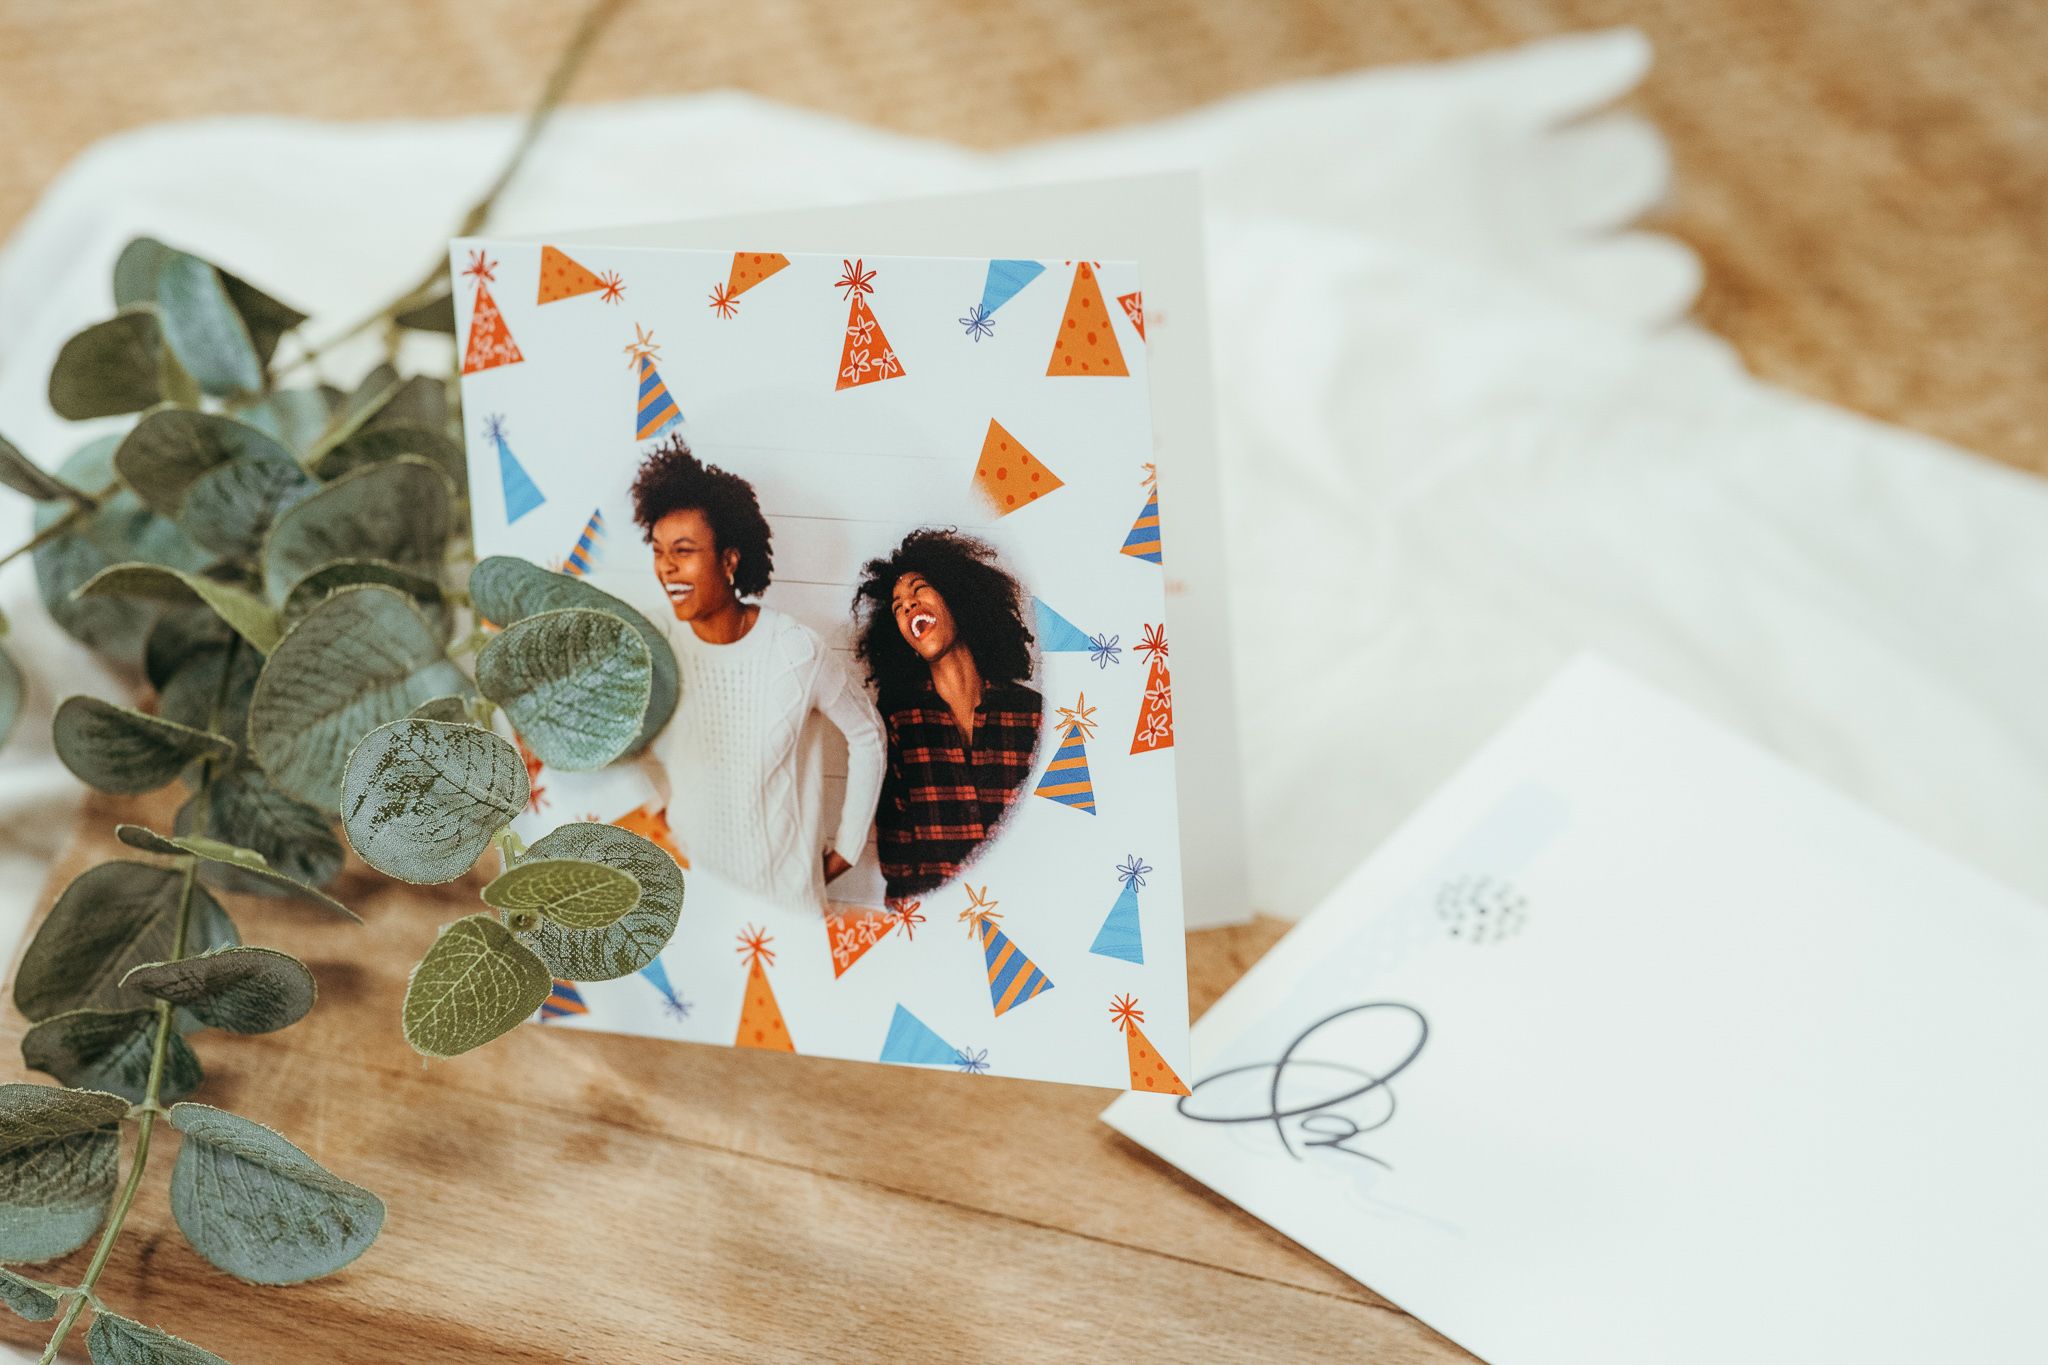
(1012, 977)
(589, 551)
(1066, 778)
(563, 999)
(1143, 541)
(656, 411)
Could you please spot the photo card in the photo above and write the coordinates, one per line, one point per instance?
(897, 520)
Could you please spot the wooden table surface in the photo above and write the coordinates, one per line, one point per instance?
(1864, 182)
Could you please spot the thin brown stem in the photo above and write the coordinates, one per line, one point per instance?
(84, 506)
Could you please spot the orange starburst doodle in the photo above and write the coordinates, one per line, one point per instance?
(722, 301)
(907, 916)
(754, 944)
(1124, 1009)
(1078, 714)
(979, 908)
(855, 280)
(614, 286)
(641, 345)
(481, 268)
(1154, 642)
(1151, 479)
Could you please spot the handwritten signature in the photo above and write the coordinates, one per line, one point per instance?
(1350, 1083)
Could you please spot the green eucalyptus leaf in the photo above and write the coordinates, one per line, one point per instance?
(292, 417)
(398, 511)
(266, 318)
(28, 478)
(377, 444)
(363, 658)
(115, 1340)
(249, 615)
(572, 892)
(420, 402)
(315, 587)
(229, 508)
(476, 983)
(261, 1209)
(422, 798)
(435, 315)
(110, 1050)
(24, 1296)
(507, 590)
(123, 751)
(181, 637)
(11, 691)
(115, 916)
(242, 990)
(109, 368)
(135, 271)
(574, 683)
(252, 867)
(59, 1156)
(451, 710)
(167, 452)
(634, 940)
(203, 328)
(121, 531)
(189, 696)
(297, 842)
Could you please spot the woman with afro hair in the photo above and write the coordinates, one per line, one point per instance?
(745, 770)
(942, 634)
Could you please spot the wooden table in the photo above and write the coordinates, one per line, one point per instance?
(1864, 182)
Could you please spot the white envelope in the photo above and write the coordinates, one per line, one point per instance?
(1634, 1045)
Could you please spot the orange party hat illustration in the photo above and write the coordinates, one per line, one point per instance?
(761, 1023)
(1086, 343)
(562, 278)
(490, 340)
(1008, 476)
(866, 356)
(749, 268)
(1149, 1070)
(1155, 714)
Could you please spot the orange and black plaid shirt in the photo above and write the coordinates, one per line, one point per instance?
(941, 799)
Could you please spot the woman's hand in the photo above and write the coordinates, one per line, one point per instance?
(834, 864)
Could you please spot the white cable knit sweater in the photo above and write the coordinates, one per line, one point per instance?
(745, 770)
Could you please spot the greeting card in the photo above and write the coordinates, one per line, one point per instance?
(893, 524)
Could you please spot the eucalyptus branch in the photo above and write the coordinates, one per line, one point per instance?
(83, 505)
(567, 65)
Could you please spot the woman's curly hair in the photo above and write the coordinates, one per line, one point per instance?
(671, 479)
(986, 604)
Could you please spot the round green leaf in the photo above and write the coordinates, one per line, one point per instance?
(28, 478)
(189, 696)
(108, 369)
(242, 990)
(376, 443)
(575, 684)
(636, 938)
(24, 1296)
(397, 511)
(310, 591)
(363, 658)
(293, 417)
(266, 318)
(229, 508)
(256, 622)
(110, 1050)
(452, 710)
(507, 590)
(258, 1207)
(123, 751)
(112, 918)
(11, 689)
(181, 636)
(165, 453)
(297, 842)
(135, 271)
(422, 798)
(570, 891)
(476, 983)
(59, 1154)
(203, 329)
(115, 1340)
(120, 531)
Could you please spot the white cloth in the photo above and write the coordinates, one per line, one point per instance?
(1463, 435)
(745, 770)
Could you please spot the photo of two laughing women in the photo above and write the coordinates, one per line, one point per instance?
(941, 733)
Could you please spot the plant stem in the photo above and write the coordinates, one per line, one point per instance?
(80, 509)
(166, 1020)
(567, 65)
